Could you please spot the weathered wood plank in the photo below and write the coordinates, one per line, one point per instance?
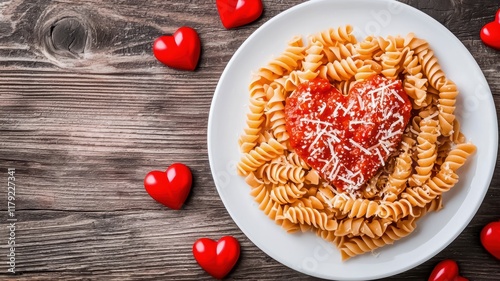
(137, 244)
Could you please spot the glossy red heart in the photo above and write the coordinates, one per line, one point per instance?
(180, 50)
(446, 270)
(235, 13)
(490, 33)
(490, 238)
(217, 258)
(171, 187)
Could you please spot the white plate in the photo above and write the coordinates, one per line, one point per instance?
(306, 252)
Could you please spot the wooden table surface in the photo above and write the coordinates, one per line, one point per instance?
(86, 112)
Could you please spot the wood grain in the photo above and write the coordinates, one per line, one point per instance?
(86, 111)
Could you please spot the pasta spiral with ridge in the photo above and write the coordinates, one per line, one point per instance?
(287, 193)
(278, 173)
(427, 151)
(310, 216)
(275, 112)
(350, 247)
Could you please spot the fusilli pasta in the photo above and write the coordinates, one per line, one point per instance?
(410, 182)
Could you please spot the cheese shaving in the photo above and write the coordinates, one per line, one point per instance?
(366, 151)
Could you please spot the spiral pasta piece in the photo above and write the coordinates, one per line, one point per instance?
(351, 247)
(457, 156)
(279, 173)
(294, 159)
(287, 193)
(412, 65)
(399, 177)
(415, 87)
(367, 48)
(332, 41)
(457, 136)
(310, 216)
(340, 70)
(392, 63)
(395, 210)
(287, 225)
(328, 235)
(275, 112)
(427, 151)
(313, 57)
(345, 86)
(419, 196)
(342, 51)
(263, 153)
(255, 120)
(364, 72)
(353, 208)
(447, 99)
(361, 226)
(262, 196)
(431, 68)
(332, 36)
(435, 205)
(270, 208)
(283, 64)
(417, 45)
(310, 202)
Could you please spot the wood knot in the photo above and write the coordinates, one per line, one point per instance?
(64, 35)
(68, 36)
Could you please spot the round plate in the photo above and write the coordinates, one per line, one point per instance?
(306, 252)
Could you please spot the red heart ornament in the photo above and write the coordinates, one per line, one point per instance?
(234, 13)
(347, 138)
(490, 238)
(446, 270)
(490, 33)
(217, 258)
(180, 50)
(171, 187)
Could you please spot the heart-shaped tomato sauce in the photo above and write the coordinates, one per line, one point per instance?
(347, 138)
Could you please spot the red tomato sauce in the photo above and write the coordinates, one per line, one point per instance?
(347, 138)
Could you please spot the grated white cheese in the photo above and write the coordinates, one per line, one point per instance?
(391, 134)
(366, 151)
(355, 174)
(335, 111)
(382, 97)
(380, 157)
(400, 120)
(332, 137)
(348, 181)
(361, 103)
(398, 97)
(386, 114)
(316, 139)
(384, 146)
(349, 107)
(381, 88)
(315, 151)
(316, 121)
(357, 122)
(334, 171)
(327, 163)
(431, 116)
(322, 108)
(305, 97)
